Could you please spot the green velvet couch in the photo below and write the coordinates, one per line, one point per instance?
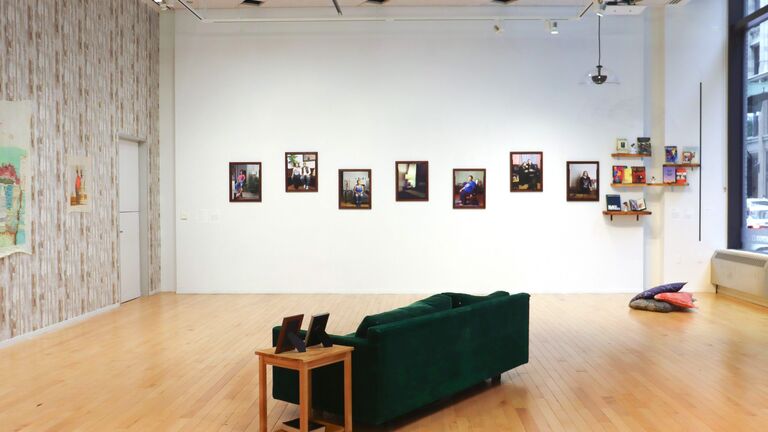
(412, 356)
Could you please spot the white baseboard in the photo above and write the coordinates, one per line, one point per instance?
(57, 326)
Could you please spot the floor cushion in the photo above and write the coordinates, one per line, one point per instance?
(651, 293)
(653, 305)
(429, 305)
(681, 299)
(459, 299)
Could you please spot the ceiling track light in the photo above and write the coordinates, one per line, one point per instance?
(601, 6)
(552, 27)
(252, 2)
(497, 27)
(163, 5)
(505, 2)
(338, 8)
(378, 2)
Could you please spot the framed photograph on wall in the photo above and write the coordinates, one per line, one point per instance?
(79, 183)
(411, 181)
(583, 181)
(245, 182)
(301, 172)
(526, 171)
(469, 188)
(355, 189)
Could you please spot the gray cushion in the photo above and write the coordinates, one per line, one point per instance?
(653, 306)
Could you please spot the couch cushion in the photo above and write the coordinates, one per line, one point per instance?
(435, 303)
(650, 293)
(653, 306)
(681, 299)
(459, 299)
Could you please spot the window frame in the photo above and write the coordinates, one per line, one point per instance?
(739, 25)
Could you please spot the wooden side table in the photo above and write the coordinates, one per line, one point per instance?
(315, 357)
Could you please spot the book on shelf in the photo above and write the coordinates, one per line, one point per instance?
(681, 176)
(641, 206)
(638, 175)
(627, 175)
(670, 154)
(690, 155)
(618, 173)
(669, 175)
(644, 146)
(294, 426)
(632, 205)
(613, 202)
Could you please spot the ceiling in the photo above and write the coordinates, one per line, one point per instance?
(229, 4)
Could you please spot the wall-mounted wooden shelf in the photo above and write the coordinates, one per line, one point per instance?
(636, 214)
(629, 156)
(640, 185)
(683, 165)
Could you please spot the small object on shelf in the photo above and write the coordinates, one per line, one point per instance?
(627, 175)
(633, 205)
(618, 173)
(669, 174)
(622, 145)
(633, 149)
(653, 179)
(636, 214)
(613, 202)
(641, 206)
(638, 174)
(690, 155)
(644, 146)
(681, 176)
(670, 154)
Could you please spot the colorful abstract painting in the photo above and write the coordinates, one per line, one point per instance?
(15, 136)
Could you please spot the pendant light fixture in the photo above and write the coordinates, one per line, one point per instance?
(599, 78)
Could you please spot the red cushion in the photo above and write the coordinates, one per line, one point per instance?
(682, 299)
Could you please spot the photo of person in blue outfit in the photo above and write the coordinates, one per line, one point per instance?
(469, 188)
(355, 189)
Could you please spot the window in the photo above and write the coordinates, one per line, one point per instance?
(748, 127)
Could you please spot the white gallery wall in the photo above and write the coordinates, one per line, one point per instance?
(364, 95)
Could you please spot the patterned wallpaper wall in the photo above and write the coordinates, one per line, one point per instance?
(90, 67)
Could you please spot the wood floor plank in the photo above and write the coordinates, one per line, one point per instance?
(185, 363)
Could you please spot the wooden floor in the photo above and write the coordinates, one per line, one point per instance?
(186, 363)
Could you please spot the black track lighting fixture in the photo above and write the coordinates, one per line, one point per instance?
(338, 8)
(599, 78)
(252, 2)
(378, 2)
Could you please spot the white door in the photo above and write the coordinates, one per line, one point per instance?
(130, 233)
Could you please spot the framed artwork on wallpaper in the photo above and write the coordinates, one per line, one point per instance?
(469, 188)
(526, 171)
(15, 179)
(245, 182)
(79, 184)
(355, 189)
(301, 172)
(583, 181)
(411, 181)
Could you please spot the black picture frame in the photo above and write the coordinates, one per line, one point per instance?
(246, 191)
(574, 185)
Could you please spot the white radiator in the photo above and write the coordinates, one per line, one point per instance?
(741, 274)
